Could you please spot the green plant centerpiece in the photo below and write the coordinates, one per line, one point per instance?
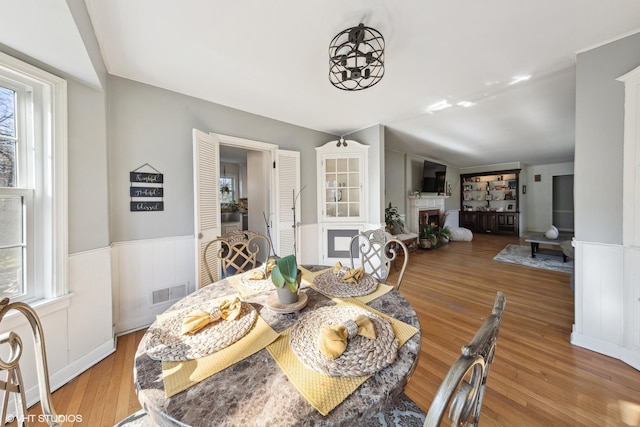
(286, 277)
(393, 219)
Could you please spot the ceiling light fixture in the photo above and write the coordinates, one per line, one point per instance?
(466, 104)
(356, 58)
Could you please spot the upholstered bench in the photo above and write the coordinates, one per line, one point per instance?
(409, 239)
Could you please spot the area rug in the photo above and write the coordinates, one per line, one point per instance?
(520, 254)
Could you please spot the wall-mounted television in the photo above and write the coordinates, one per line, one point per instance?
(433, 177)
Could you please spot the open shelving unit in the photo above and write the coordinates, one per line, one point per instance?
(490, 202)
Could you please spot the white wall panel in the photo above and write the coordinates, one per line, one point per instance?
(90, 314)
(602, 292)
(77, 327)
(599, 319)
(139, 268)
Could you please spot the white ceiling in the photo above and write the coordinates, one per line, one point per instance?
(270, 57)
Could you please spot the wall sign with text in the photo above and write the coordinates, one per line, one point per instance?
(146, 190)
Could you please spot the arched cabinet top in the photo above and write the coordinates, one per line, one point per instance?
(343, 146)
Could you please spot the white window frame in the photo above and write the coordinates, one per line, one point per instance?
(47, 239)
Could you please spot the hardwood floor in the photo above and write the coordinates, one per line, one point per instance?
(537, 379)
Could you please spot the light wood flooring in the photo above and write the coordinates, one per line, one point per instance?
(537, 379)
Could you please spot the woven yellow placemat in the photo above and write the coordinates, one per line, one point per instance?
(179, 376)
(382, 289)
(308, 276)
(323, 392)
(244, 291)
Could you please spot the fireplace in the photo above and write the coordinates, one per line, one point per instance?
(428, 217)
(432, 205)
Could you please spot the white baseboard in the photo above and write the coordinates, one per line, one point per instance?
(69, 372)
(594, 344)
(621, 353)
(631, 358)
(135, 324)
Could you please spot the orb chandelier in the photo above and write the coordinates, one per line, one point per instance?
(356, 58)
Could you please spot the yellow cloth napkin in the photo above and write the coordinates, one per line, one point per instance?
(348, 275)
(227, 310)
(257, 274)
(333, 339)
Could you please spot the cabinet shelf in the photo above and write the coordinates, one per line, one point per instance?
(489, 202)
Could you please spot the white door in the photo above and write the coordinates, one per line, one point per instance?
(206, 183)
(287, 195)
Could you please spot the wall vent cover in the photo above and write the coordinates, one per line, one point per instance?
(169, 294)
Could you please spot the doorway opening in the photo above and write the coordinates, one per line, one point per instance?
(562, 202)
(247, 164)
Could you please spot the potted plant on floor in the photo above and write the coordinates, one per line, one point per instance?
(286, 277)
(393, 220)
(428, 238)
(444, 235)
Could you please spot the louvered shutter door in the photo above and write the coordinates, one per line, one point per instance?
(206, 183)
(288, 186)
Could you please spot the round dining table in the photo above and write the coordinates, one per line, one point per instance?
(255, 391)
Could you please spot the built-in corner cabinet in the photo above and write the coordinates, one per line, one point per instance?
(342, 196)
(489, 202)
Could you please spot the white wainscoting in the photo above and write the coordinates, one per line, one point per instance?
(143, 266)
(308, 244)
(601, 311)
(77, 327)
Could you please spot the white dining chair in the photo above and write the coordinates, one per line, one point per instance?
(14, 384)
(462, 390)
(236, 252)
(376, 250)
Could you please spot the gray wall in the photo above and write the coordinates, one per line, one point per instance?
(88, 173)
(599, 139)
(537, 203)
(88, 177)
(395, 191)
(374, 138)
(152, 125)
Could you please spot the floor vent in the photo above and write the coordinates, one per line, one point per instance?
(169, 294)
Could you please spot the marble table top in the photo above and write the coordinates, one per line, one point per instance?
(255, 391)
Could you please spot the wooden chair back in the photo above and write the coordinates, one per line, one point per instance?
(237, 251)
(14, 383)
(376, 251)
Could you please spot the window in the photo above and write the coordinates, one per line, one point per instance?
(32, 182)
(227, 186)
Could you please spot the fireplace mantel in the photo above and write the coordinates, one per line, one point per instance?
(424, 202)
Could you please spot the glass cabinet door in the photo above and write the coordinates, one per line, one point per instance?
(342, 187)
